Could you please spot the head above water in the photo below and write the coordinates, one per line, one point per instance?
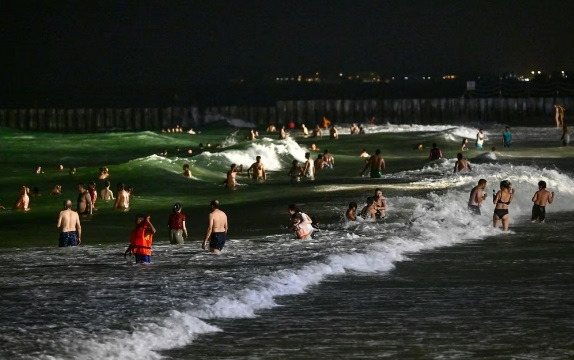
(505, 184)
(542, 184)
(214, 204)
(177, 207)
(292, 208)
(67, 204)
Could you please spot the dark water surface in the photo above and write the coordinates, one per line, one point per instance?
(430, 281)
(500, 298)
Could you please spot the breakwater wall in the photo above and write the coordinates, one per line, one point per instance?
(512, 111)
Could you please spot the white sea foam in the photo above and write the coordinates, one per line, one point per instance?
(457, 133)
(438, 219)
(275, 155)
(216, 118)
(231, 139)
(416, 222)
(175, 330)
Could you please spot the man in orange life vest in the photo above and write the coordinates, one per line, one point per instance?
(141, 239)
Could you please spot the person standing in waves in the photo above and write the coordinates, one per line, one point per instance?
(141, 240)
(69, 225)
(84, 206)
(540, 199)
(501, 201)
(217, 228)
(477, 197)
(257, 170)
(377, 165)
(176, 225)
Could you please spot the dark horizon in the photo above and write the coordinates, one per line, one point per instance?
(96, 47)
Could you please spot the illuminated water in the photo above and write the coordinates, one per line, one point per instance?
(430, 281)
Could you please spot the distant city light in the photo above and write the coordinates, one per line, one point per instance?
(374, 77)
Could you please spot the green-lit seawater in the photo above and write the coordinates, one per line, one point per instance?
(158, 184)
(430, 281)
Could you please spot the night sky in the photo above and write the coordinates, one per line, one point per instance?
(164, 43)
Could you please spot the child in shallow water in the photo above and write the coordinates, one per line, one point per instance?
(351, 213)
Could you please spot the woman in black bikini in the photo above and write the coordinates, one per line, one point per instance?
(501, 200)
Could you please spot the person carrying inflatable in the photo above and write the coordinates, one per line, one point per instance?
(141, 239)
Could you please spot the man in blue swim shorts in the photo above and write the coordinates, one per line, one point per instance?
(216, 230)
(69, 223)
(217, 240)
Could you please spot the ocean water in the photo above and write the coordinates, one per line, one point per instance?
(430, 281)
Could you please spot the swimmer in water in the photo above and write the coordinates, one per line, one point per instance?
(230, 181)
(258, 170)
(23, 200)
(541, 198)
(461, 164)
(69, 225)
(295, 172)
(502, 200)
(351, 213)
(216, 232)
(477, 197)
(380, 204)
(302, 224)
(186, 171)
(377, 165)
